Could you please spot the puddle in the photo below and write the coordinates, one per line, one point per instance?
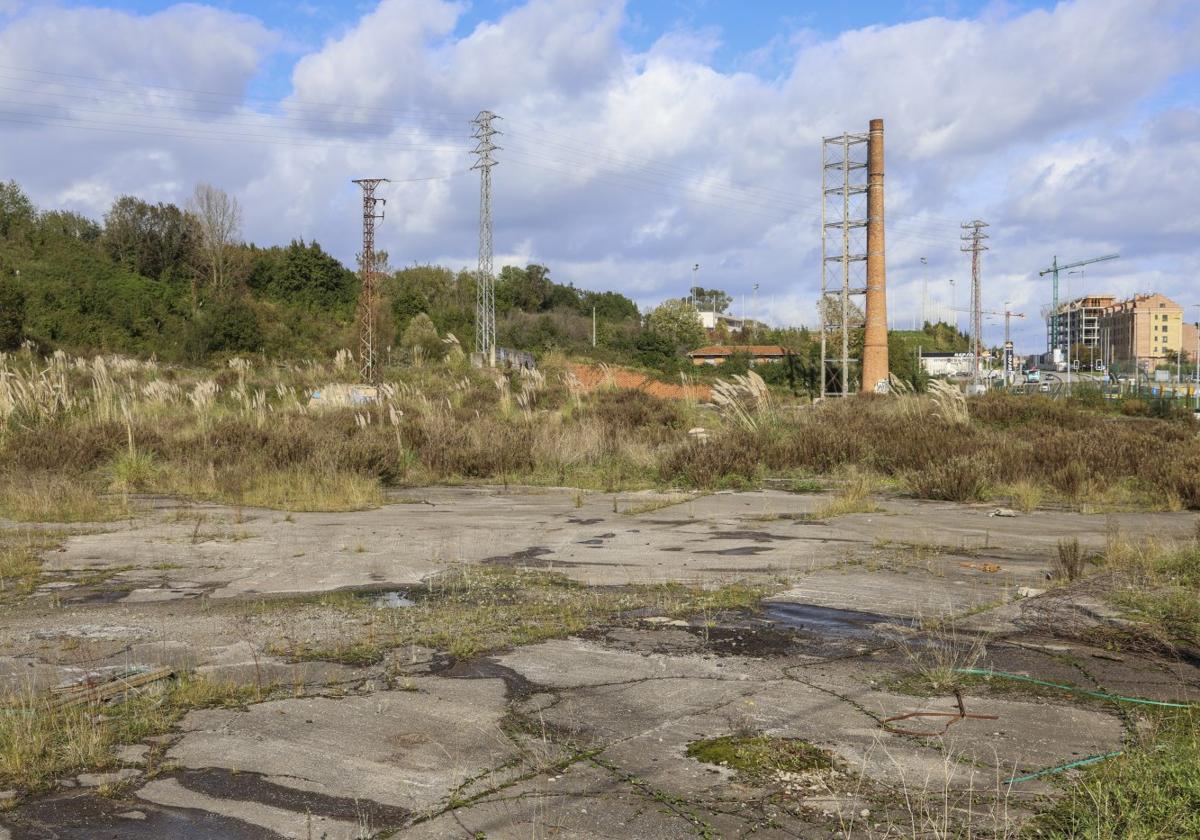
(827, 621)
(390, 600)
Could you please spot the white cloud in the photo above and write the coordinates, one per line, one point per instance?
(621, 170)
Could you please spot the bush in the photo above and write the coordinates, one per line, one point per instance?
(624, 412)
(12, 315)
(729, 461)
(228, 326)
(959, 479)
(1134, 407)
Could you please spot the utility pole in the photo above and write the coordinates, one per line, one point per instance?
(367, 303)
(593, 326)
(485, 290)
(975, 237)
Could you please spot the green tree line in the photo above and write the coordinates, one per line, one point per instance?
(179, 283)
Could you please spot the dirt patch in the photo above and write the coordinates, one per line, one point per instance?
(591, 377)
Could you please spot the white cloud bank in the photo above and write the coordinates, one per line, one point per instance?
(621, 169)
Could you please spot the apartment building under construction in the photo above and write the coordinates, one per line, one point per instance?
(1146, 328)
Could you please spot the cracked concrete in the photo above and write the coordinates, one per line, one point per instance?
(573, 737)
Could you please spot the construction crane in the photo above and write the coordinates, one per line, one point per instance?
(1055, 268)
(977, 341)
(1008, 316)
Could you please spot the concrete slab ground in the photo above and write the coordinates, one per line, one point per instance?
(225, 552)
(586, 736)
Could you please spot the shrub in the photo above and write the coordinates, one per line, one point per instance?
(623, 412)
(229, 326)
(421, 340)
(1068, 560)
(1134, 407)
(731, 460)
(958, 479)
(12, 315)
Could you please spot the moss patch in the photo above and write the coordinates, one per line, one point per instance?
(758, 758)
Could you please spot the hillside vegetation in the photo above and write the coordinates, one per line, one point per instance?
(178, 284)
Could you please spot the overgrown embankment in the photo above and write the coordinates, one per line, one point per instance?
(78, 435)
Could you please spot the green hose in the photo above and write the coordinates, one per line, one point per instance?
(985, 672)
(1083, 762)
(1091, 759)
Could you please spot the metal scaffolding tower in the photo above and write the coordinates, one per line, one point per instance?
(485, 283)
(974, 239)
(367, 302)
(843, 252)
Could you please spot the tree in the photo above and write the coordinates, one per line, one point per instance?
(159, 241)
(421, 339)
(654, 350)
(16, 210)
(710, 299)
(64, 223)
(12, 315)
(677, 322)
(529, 289)
(302, 274)
(220, 219)
(231, 326)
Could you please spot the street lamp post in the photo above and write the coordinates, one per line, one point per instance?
(1196, 358)
(924, 292)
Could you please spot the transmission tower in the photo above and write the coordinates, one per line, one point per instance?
(974, 238)
(367, 302)
(843, 251)
(485, 311)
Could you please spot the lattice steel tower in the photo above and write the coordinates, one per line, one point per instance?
(368, 297)
(974, 237)
(843, 252)
(485, 311)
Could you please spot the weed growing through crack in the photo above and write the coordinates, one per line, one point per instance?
(855, 497)
(1068, 561)
(473, 609)
(937, 657)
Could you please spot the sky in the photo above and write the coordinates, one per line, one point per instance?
(640, 138)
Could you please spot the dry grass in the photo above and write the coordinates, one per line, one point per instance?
(39, 744)
(1158, 587)
(20, 560)
(247, 434)
(854, 497)
(41, 497)
(473, 610)
(937, 657)
(1025, 496)
(1069, 560)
